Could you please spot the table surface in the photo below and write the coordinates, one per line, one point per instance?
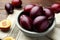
(55, 35)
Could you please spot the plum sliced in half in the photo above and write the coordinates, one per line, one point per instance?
(5, 25)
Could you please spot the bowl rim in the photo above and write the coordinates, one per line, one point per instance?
(31, 32)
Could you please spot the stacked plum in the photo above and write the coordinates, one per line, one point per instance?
(36, 18)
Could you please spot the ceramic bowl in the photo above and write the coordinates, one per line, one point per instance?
(33, 34)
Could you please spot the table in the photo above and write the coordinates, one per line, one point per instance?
(55, 35)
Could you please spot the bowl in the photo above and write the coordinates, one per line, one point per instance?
(33, 34)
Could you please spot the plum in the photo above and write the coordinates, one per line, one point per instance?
(36, 11)
(40, 23)
(16, 3)
(49, 13)
(25, 22)
(56, 8)
(9, 8)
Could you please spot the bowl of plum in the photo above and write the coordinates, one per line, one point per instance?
(36, 20)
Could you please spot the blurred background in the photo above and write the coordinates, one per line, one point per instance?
(45, 3)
